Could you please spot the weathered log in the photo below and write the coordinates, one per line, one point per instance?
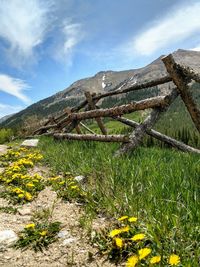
(93, 137)
(159, 101)
(139, 132)
(93, 107)
(162, 137)
(190, 73)
(181, 81)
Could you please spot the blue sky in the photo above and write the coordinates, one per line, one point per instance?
(45, 45)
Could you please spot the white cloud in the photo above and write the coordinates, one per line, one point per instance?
(71, 34)
(178, 25)
(14, 87)
(196, 48)
(8, 109)
(23, 27)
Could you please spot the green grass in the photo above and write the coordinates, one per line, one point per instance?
(160, 186)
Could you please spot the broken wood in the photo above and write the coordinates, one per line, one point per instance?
(93, 107)
(92, 137)
(181, 81)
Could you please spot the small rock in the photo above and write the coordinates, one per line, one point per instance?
(7, 238)
(68, 241)
(24, 211)
(79, 178)
(63, 234)
(3, 149)
(30, 142)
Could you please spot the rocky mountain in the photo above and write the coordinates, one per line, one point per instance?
(4, 118)
(101, 82)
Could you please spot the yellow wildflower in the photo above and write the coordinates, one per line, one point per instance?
(20, 195)
(174, 259)
(74, 187)
(119, 242)
(114, 232)
(30, 185)
(132, 261)
(28, 196)
(144, 252)
(133, 219)
(122, 218)
(155, 259)
(138, 237)
(119, 231)
(30, 225)
(61, 183)
(43, 233)
(125, 229)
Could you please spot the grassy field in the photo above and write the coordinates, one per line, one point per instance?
(160, 186)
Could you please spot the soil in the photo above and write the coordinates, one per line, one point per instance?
(73, 247)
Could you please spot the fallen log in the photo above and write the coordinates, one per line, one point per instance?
(162, 137)
(159, 101)
(92, 137)
(181, 81)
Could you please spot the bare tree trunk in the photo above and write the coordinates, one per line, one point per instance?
(180, 80)
(92, 137)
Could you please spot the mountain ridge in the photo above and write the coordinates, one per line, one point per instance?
(101, 82)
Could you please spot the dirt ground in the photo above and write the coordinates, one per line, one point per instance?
(72, 248)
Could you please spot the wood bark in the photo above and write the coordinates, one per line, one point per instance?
(93, 107)
(139, 132)
(181, 81)
(162, 137)
(159, 101)
(189, 72)
(92, 137)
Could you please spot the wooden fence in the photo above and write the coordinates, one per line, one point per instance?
(61, 127)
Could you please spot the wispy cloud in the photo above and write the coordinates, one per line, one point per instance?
(8, 109)
(23, 27)
(176, 26)
(14, 87)
(70, 35)
(196, 48)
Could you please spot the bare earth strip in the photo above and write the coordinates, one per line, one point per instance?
(72, 247)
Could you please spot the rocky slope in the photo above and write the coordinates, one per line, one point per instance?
(102, 82)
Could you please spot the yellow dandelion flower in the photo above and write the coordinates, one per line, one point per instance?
(122, 218)
(155, 259)
(114, 232)
(30, 185)
(133, 219)
(43, 233)
(20, 195)
(119, 242)
(132, 261)
(138, 237)
(74, 187)
(30, 225)
(28, 196)
(144, 252)
(174, 259)
(124, 229)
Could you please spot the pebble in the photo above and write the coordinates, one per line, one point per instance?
(7, 238)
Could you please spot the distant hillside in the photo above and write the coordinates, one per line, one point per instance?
(102, 82)
(5, 118)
